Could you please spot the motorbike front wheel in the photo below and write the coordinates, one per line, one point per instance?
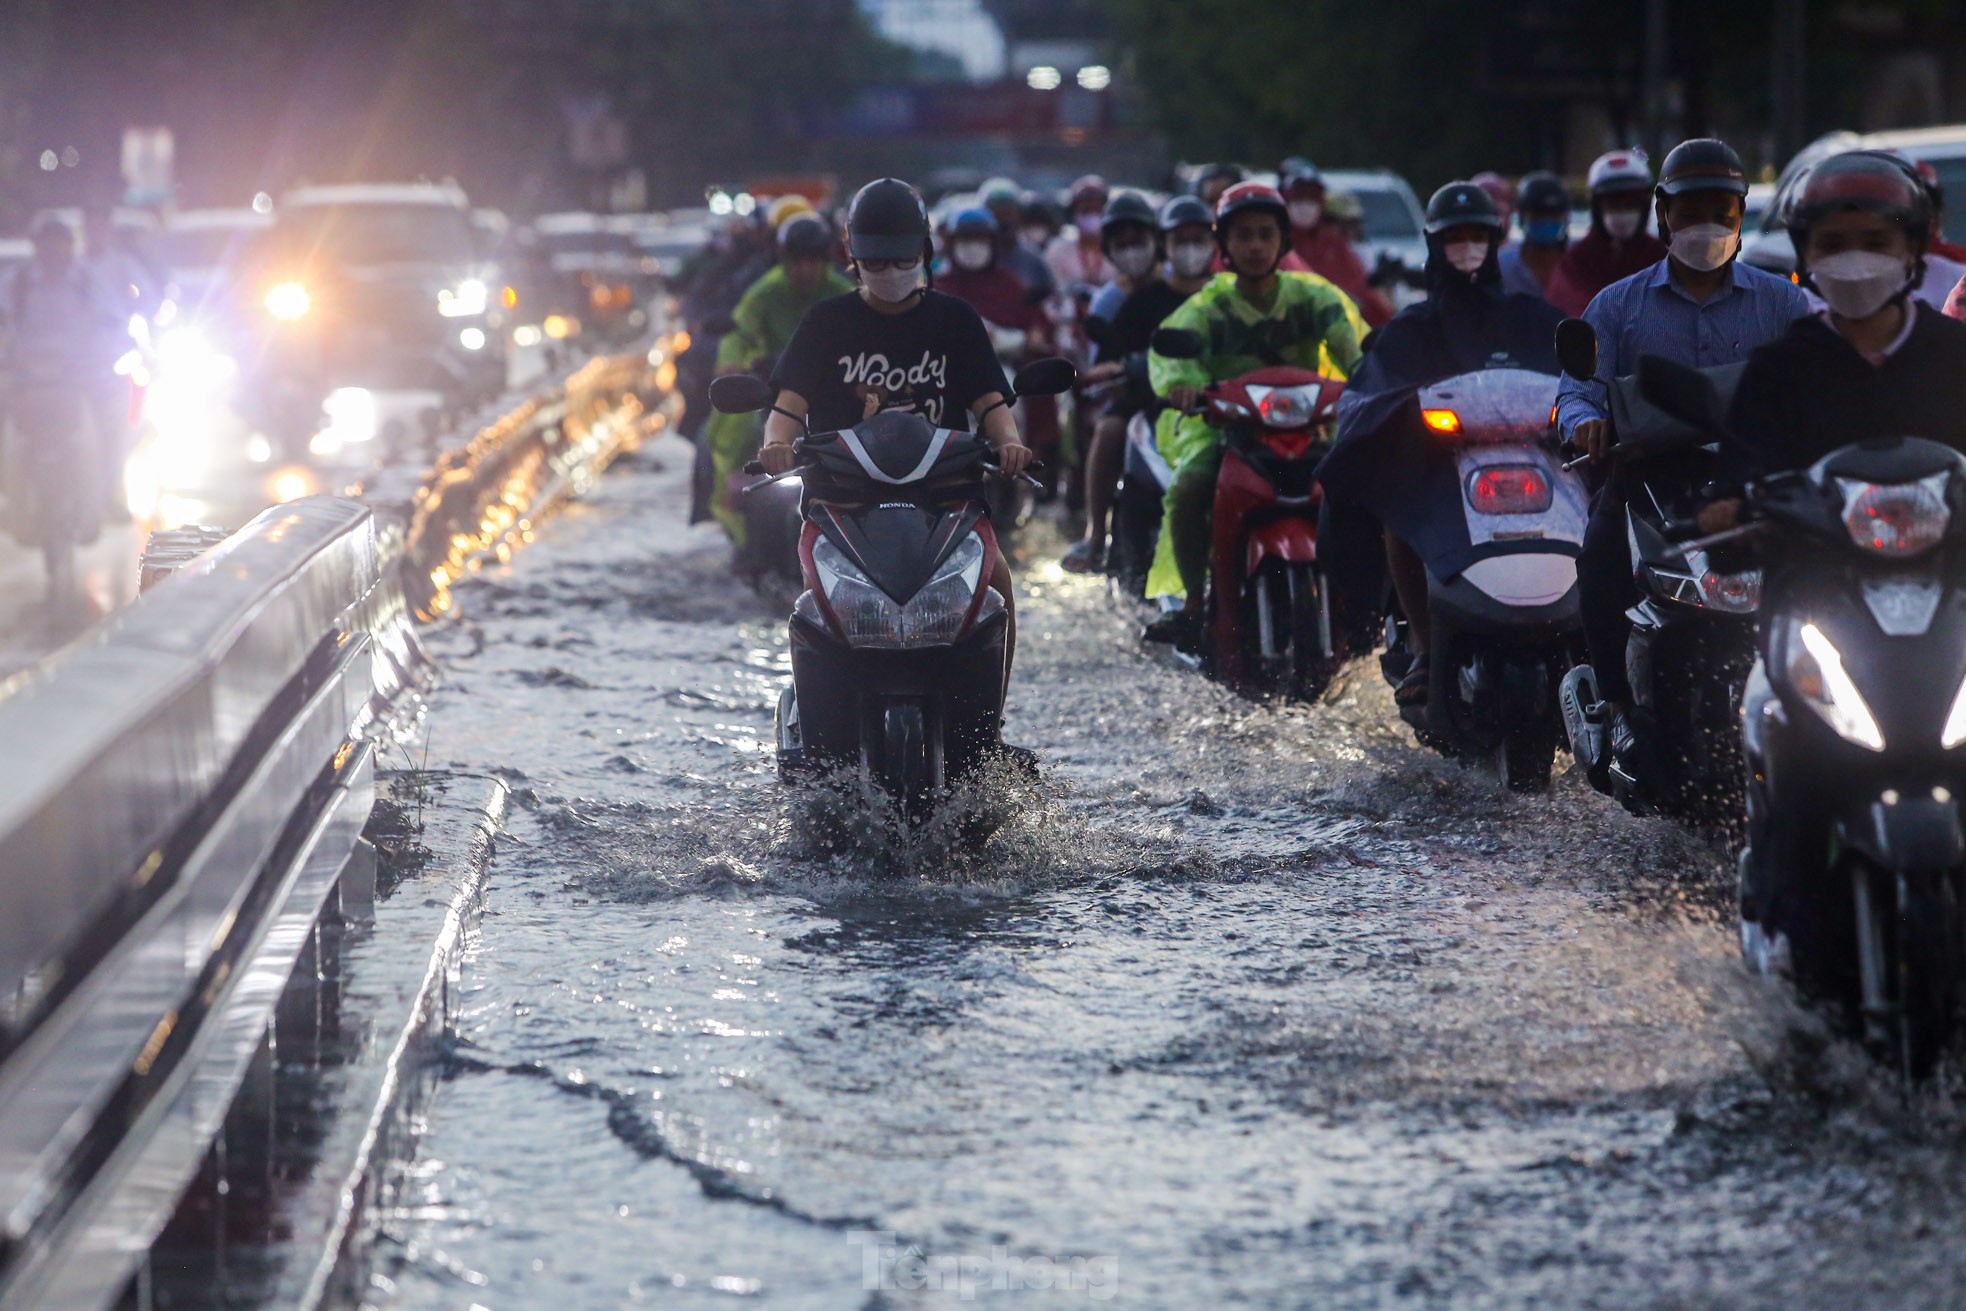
(911, 759)
(1526, 761)
(1310, 668)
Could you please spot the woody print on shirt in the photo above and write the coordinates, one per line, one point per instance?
(883, 385)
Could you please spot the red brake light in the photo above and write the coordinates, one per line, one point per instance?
(1509, 489)
(1446, 421)
(1288, 443)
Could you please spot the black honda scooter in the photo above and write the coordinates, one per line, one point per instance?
(899, 643)
(1854, 728)
(1692, 629)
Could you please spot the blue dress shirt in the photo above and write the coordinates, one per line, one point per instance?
(1648, 314)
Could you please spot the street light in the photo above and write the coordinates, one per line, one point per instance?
(1044, 78)
(1095, 77)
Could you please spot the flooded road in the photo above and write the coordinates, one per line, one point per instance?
(1248, 1006)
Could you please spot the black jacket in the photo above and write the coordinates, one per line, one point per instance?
(1462, 326)
(1809, 392)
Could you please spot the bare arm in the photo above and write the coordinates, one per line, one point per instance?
(1000, 430)
(781, 432)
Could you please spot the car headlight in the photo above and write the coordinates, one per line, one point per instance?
(1816, 672)
(288, 301)
(468, 299)
(869, 617)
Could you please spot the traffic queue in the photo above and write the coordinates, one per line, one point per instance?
(1626, 496)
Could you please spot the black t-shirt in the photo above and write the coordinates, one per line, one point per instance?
(1809, 392)
(936, 360)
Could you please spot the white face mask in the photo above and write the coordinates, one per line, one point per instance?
(1622, 223)
(1191, 259)
(1467, 256)
(1088, 225)
(1036, 238)
(1704, 246)
(973, 256)
(1305, 213)
(1859, 283)
(893, 286)
(1132, 261)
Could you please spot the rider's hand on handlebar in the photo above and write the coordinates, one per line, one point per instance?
(1106, 372)
(1185, 399)
(1013, 459)
(1592, 437)
(1720, 516)
(777, 457)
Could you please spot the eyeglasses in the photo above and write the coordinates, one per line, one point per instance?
(887, 265)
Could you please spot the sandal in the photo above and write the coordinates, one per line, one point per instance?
(1412, 689)
(1083, 558)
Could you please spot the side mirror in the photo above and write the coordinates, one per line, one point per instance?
(1178, 344)
(1684, 393)
(1047, 377)
(740, 393)
(1576, 349)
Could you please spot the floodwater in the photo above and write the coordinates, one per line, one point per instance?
(1247, 1005)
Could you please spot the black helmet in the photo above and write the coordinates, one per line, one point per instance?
(1039, 209)
(1223, 172)
(887, 220)
(1184, 210)
(1542, 194)
(1702, 164)
(1298, 171)
(805, 235)
(1460, 203)
(1126, 207)
(1871, 180)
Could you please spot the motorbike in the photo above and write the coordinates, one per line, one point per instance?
(1855, 861)
(1501, 575)
(1692, 635)
(1269, 611)
(899, 643)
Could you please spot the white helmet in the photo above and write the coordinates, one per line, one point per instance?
(1620, 170)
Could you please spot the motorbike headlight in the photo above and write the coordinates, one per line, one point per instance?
(1816, 672)
(1896, 519)
(288, 301)
(1955, 729)
(869, 617)
(1287, 407)
(469, 298)
(1731, 594)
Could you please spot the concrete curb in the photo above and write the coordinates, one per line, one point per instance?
(424, 920)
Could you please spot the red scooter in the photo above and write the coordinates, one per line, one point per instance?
(1269, 611)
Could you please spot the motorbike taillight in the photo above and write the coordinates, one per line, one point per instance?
(1289, 443)
(1509, 489)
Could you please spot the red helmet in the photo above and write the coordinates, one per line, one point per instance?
(1244, 196)
(1871, 180)
(1089, 185)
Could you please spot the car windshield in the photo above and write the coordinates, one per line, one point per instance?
(1386, 215)
(1952, 178)
(204, 248)
(591, 242)
(380, 234)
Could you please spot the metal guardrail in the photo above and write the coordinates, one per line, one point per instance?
(181, 793)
